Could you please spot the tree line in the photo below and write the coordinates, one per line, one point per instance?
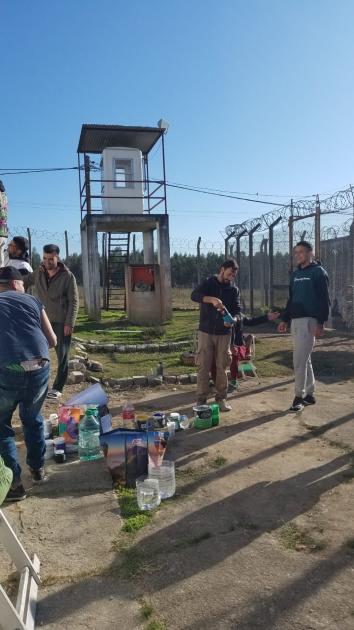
(184, 267)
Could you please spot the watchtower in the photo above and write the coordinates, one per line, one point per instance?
(118, 198)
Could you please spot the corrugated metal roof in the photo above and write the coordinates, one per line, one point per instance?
(95, 138)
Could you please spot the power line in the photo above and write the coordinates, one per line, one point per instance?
(24, 171)
(228, 196)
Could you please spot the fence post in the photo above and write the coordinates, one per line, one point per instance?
(264, 287)
(251, 266)
(271, 261)
(318, 228)
(238, 246)
(227, 239)
(198, 259)
(29, 237)
(291, 236)
(66, 245)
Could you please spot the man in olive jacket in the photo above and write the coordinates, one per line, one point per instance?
(56, 288)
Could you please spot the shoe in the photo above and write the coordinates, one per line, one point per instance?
(53, 394)
(38, 476)
(223, 406)
(297, 404)
(233, 386)
(309, 400)
(16, 494)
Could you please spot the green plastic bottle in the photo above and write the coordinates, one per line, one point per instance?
(215, 415)
(89, 436)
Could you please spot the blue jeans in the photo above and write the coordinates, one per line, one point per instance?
(28, 390)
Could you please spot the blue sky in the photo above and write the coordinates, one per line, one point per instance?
(258, 93)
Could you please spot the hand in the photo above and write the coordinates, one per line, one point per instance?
(217, 303)
(282, 328)
(68, 331)
(319, 332)
(227, 325)
(273, 316)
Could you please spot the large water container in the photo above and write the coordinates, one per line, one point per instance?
(165, 474)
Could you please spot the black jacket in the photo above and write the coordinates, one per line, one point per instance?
(211, 320)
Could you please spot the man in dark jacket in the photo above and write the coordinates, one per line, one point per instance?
(307, 309)
(214, 295)
(56, 287)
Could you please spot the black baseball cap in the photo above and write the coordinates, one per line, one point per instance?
(9, 273)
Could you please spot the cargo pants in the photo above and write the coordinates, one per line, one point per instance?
(212, 347)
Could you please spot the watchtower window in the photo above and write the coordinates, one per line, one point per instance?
(123, 174)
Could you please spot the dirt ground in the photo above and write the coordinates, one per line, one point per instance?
(260, 534)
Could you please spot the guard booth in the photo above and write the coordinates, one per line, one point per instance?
(119, 199)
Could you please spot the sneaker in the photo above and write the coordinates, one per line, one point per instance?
(297, 405)
(223, 406)
(233, 386)
(53, 394)
(309, 400)
(18, 493)
(38, 476)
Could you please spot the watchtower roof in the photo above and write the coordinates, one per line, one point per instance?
(95, 138)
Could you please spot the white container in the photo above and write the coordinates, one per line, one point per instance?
(165, 475)
(49, 449)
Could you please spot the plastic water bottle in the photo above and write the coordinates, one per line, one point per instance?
(89, 436)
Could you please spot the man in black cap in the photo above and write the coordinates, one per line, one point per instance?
(25, 338)
(18, 257)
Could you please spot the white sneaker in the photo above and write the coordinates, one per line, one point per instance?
(53, 394)
(223, 406)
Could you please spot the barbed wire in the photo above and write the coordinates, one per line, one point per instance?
(339, 202)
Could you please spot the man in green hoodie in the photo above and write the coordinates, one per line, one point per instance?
(307, 309)
(56, 287)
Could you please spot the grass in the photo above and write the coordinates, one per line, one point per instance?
(296, 539)
(115, 328)
(218, 462)
(134, 518)
(147, 610)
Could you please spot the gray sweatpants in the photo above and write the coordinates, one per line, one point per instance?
(303, 333)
